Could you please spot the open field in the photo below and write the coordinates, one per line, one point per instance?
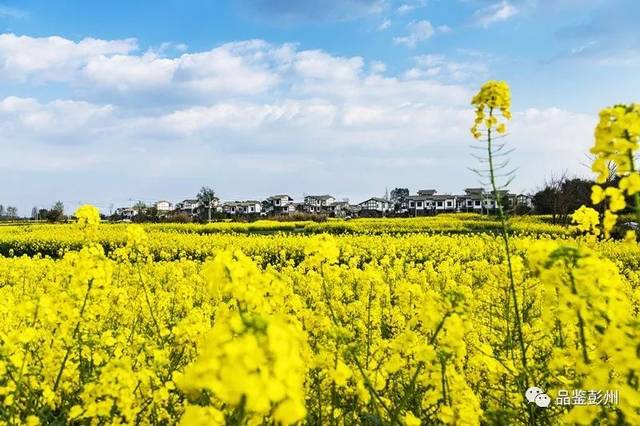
(367, 321)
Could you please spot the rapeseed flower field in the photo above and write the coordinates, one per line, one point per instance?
(175, 326)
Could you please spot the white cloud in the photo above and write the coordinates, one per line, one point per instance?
(439, 66)
(417, 31)
(59, 122)
(101, 66)
(551, 140)
(316, 64)
(409, 7)
(496, 12)
(125, 72)
(377, 67)
(384, 25)
(405, 8)
(579, 49)
(548, 130)
(242, 117)
(53, 58)
(240, 68)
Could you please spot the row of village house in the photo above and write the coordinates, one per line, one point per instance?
(423, 203)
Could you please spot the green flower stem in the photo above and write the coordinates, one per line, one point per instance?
(505, 238)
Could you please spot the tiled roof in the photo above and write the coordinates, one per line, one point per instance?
(381, 200)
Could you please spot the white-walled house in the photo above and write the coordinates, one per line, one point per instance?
(318, 203)
(242, 207)
(279, 204)
(428, 202)
(524, 200)
(472, 201)
(419, 204)
(444, 203)
(188, 206)
(126, 212)
(340, 208)
(479, 200)
(376, 204)
(164, 206)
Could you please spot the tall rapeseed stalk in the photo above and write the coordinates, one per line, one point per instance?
(493, 103)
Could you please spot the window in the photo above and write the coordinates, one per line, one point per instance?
(449, 204)
(412, 204)
(439, 203)
(477, 203)
(419, 203)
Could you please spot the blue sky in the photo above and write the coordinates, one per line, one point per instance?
(104, 102)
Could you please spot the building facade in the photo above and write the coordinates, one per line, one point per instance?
(279, 204)
(376, 204)
(318, 203)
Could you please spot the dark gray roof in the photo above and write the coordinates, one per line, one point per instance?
(241, 203)
(472, 197)
(443, 197)
(476, 190)
(382, 200)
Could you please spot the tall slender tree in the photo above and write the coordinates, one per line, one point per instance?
(206, 198)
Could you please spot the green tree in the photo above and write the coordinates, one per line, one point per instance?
(398, 196)
(146, 214)
(561, 196)
(56, 213)
(140, 207)
(206, 198)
